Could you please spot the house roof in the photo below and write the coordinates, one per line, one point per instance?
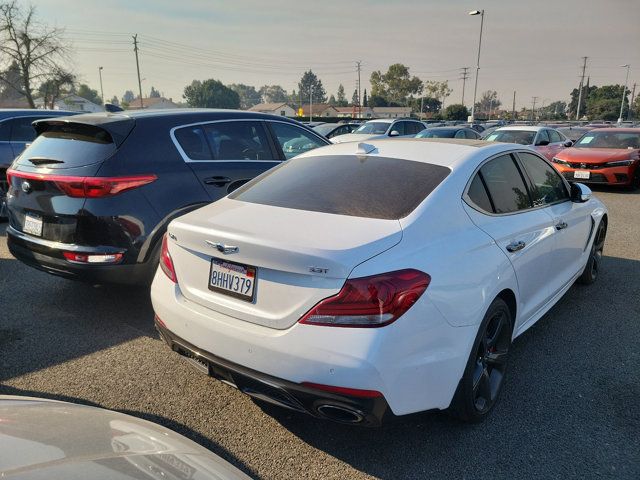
(148, 102)
(268, 106)
(392, 109)
(318, 108)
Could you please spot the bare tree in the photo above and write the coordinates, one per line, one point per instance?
(38, 50)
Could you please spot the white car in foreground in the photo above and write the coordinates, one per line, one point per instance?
(359, 281)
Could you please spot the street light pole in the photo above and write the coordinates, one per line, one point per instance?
(101, 90)
(475, 87)
(624, 92)
(311, 104)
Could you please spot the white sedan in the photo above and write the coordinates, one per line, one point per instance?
(360, 281)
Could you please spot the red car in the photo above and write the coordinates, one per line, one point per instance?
(608, 155)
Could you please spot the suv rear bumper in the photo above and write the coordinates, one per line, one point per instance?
(48, 256)
(284, 393)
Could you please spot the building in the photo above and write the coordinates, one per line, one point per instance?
(352, 112)
(391, 112)
(71, 102)
(152, 103)
(280, 109)
(319, 110)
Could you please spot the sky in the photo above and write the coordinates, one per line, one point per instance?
(532, 47)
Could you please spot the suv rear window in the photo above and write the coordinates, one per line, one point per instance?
(70, 145)
(370, 187)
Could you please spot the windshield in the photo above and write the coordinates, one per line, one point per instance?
(573, 133)
(617, 140)
(523, 137)
(324, 129)
(436, 133)
(378, 128)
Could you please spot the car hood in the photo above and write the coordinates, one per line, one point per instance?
(594, 155)
(48, 439)
(356, 137)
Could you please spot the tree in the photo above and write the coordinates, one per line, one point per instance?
(365, 100)
(115, 101)
(396, 85)
(377, 101)
(154, 93)
(354, 98)
(311, 86)
(38, 51)
(249, 96)
(554, 111)
(427, 104)
(332, 101)
(210, 94)
(51, 90)
(342, 100)
(456, 111)
(488, 102)
(90, 94)
(128, 97)
(273, 94)
(604, 103)
(438, 90)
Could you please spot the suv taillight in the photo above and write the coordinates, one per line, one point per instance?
(87, 187)
(166, 263)
(373, 301)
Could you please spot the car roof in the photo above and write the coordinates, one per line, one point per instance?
(447, 152)
(525, 128)
(616, 130)
(29, 112)
(450, 127)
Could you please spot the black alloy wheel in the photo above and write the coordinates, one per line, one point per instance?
(592, 269)
(486, 368)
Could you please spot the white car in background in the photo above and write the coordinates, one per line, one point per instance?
(381, 128)
(360, 281)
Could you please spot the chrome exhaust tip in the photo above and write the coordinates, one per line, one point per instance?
(340, 414)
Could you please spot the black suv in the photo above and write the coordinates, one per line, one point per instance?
(91, 197)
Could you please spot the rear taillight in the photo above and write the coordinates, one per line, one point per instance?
(166, 263)
(103, 258)
(370, 301)
(350, 392)
(87, 187)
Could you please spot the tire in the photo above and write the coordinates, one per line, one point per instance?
(635, 182)
(592, 268)
(484, 374)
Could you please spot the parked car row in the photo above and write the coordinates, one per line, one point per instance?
(355, 282)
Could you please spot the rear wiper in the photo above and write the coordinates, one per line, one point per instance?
(44, 161)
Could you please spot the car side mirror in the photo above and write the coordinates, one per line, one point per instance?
(542, 143)
(580, 193)
(394, 133)
(568, 143)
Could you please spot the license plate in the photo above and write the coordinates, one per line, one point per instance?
(32, 225)
(233, 279)
(582, 174)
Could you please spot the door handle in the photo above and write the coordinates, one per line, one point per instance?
(218, 181)
(515, 246)
(561, 225)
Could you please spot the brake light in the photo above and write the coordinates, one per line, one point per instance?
(166, 263)
(373, 301)
(87, 187)
(76, 257)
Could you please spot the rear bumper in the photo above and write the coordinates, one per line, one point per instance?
(291, 395)
(48, 256)
(612, 175)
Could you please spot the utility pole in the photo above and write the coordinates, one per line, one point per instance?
(101, 90)
(584, 67)
(475, 87)
(513, 107)
(135, 49)
(421, 106)
(464, 76)
(533, 109)
(311, 104)
(358, 64)
(624, 92)
(490, 108)
(633, 94)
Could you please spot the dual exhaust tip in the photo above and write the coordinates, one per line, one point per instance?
(340, 414)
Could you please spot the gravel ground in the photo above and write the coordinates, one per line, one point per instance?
(568, 410)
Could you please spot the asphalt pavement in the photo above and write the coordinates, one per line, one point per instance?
(569, 409)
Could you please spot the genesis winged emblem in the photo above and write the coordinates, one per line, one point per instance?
(222, 248)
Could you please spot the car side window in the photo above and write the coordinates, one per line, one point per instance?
(554, 136)
(542, 136)
(193, 143)
(477, 193)
(398, 127)
(472, 135)
(5, 131)
(414, 127)
(242, 140)
(460, 134)
(548, 187)
(294, 140)
(21, 129)
(505, 185)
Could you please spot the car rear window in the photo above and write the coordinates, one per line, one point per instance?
(69, 145)
(359, 186)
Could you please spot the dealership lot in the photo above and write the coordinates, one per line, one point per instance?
(569, 409)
